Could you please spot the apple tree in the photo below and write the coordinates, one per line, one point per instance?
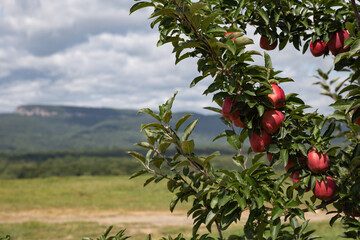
(253, 106)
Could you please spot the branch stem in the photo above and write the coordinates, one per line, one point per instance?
(219, 230)
(357, 15)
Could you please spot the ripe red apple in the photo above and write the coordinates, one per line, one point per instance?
(258, 143)
(317, 162)
(296, 179)
(271, 121)
(325, 191)
(317, 48)
(226, 109)
(336, 42)
(264, 43)
(357, 120)
(238, 123)
(278, 97)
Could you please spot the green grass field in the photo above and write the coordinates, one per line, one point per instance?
(25, 199)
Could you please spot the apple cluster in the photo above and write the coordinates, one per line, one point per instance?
(272, 119)
(336, 44)
(317, 163)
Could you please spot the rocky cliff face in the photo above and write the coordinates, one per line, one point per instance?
(35, 111)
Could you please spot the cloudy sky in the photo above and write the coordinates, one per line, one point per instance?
(92, 53)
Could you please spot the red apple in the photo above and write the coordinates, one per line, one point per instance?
(238, 123)
(325, 191)
(302, 160)
(290, 165)
(226, 109)
(264, 43)
(317, 48)
(296, 179)
(278, 97)
(357, 120)
(317, 162)
(258, 143)
(271, 121)
(336, 42)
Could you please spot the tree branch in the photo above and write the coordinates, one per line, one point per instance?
(357, 15)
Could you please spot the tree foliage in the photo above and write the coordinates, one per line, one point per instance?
(215, 33)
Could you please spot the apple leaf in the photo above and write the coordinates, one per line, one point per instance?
(268, 63)
(264, 16)
(188, 146)
(188, 130)
(284, 155)
(140, 5)
(182, 120)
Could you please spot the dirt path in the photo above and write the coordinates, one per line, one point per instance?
(160, 218)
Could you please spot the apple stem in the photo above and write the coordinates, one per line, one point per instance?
(357, 15)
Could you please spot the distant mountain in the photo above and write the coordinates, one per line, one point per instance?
(42, 127)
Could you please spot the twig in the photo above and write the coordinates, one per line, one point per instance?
(219, 230)
(206, 43)
(170, 132)
(320, 205)
(357, 15)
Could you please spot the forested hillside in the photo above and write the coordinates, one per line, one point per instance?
(37, 128)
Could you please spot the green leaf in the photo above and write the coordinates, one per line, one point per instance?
(144, 145)
(139, 173)
(197, 79)
(277, 212)
(196, 7)
(188, 44)
(137, 156)
(181, 164)
(233, 139)
(211, 156)
(140, 5)
(302, 149)
(210, 218)
(150, 112)
(264, 16)
(153, 125)
(275, 226)
(268, 63)
(164, 12)
(182, 120)
(188, 130)
(167, 117)
(284, 155)
(351, 28)
(355, 47)
(242, 41)
(241, 201)
(208, 20)
(329, 130)
(217, 110)
(188, 146)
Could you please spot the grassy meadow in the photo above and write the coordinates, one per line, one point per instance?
(24, 202)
